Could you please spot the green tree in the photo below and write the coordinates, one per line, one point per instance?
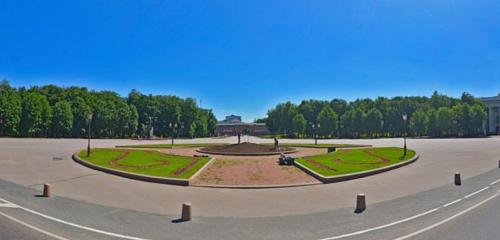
(10, 110)
(444, 119)
(62, 119)
(374, 122)
(479, 117)
(327, 119)
(299, 124)
(36, 115)
(80, 111)
(358, 122)
(419, 123)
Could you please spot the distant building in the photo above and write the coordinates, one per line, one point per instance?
(232, 125)
(493, 111)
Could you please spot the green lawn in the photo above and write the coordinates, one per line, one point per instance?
(168, 145)
(146, 162)
(346, 161)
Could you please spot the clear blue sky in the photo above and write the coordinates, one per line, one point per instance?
(243, 57)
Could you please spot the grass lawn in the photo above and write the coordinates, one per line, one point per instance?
(144, 162)
(319, 145)
(345, 161)
(168, 145)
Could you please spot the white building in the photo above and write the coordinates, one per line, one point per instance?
(493, 111)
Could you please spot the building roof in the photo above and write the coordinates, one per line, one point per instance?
(490, 99)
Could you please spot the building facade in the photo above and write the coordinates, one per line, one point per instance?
(492, 125)
(233, 125)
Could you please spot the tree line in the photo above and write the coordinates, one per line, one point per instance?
(435, 116)
(52, 111)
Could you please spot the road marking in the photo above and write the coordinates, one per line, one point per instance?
(76, 225)
(32, 227)
(381, 227)
(446, 220)
(495, 182)
(476, 192)
(410, 218)
(451, 203)
(8, 205)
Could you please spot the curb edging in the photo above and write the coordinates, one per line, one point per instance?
(256, 186)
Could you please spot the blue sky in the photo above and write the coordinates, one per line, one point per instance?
(243, 57)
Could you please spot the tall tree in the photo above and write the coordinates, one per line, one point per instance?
(327, 119)
(10, 110)
(62, 119)
(374, 122)
(299, 124)
(419, 123)
(36, 115)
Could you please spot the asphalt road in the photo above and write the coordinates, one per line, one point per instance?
(33, 162)
(10, 229)
(427, 210)
(481, 224)
(473, 217)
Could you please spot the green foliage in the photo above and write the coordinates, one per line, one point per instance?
(36, 115)
(299, 124)
(62, 119)
(52, 111)
(437, 116)
(327, 119)
(10, 110)
(419, 123)
(374, 122)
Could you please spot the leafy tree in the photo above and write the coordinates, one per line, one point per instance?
(62, 119)
(36, 115)
(80, 111)
(299, 124)
(419, 123)
(444, 119)
(374, 122)
(327, 119)
(10, 110)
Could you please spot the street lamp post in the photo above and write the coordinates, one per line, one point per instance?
(315, 132)
(89, 122)
(173, 126)
(405, 118)
(455, 126)
(1, 125)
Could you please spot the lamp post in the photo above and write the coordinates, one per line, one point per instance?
(89, 123)
(405, 118)
(1, 125)
(455, 126)
(315, 132)
(173, 126)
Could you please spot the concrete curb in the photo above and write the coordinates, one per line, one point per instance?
(246, 154)
(140, 177)
(256, 186)
(351, 176)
